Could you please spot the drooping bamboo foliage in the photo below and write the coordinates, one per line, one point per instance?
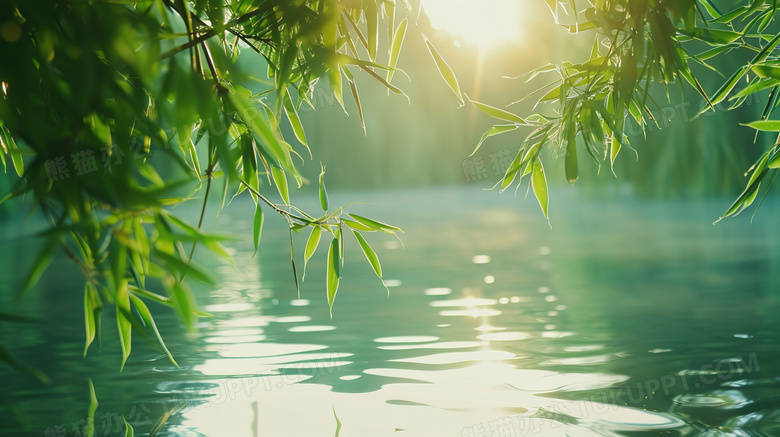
(637, 46)
(114, 112)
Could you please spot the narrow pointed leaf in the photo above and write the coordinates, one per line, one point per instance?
(395, 48)
(498, 113)
(147, 318)
(280, 179)
(375, 225)
(258, 226)
(122, 322)
(90, 293)
(89, 428)
(370, 254)
(494, 130)
(539, 184)
(295, 121)
(311, 246)
(323, 191)
(333, 271)
(764, 125)
(444, 69)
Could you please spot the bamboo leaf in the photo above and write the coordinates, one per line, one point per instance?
(539, 184)
(89, 428)
(498, 113)
(147, 318)
(42, 262)
(395, 48)
(295, 121)
(258, 226)
(494, 130)
(122, 322)
(571, 164)
(372, 27)
(444, 69)
(129, 432)
(280, 179)
(369, 253)
(764, 125)
(164, 418)
(90, 293)
(375, 225)
(21, 367)
(323, 191)
(333, 273)
(311, 246)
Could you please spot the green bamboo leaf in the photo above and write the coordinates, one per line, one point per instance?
(311, 246)
(333, 273)
(357, 226)
(571, 164)
(372, 27)
(42, 262)
(729, 85)
(539, 184)
(498, 113)
(767, 71)
(774, 162)
(184, 302)
(395, 48)
(89, 428)
(146, 316)
(258, 226)
(353, 89)
(90, 294)
(129, 432)
(369, 253)
(444, 69)
(375, 225)
(164, 418)
(323, 191)
(277, 149)
(714, 37)
(295, 121)
(764, 125)
(711, 53)
(755, 87)
(8, 144)
(334, 77)
(180, 266)
(731, 16)
(280, 179)
(22, 367)
(494, 130)
(122, 322)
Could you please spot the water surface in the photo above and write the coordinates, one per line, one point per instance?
(628, 318)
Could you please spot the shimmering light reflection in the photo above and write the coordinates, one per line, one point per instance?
(408, 339)
(312, 328)
(228, 307)
(480, 259)
(437, 291)
(458, 357)
(504, 336)
(440, 345)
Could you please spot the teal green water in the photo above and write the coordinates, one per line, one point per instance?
(630, 317)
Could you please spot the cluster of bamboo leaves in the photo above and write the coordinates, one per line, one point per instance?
(153, 91)
(639, 45)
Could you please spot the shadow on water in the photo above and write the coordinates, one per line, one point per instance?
(631, 317)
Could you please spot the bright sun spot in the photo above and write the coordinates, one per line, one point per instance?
(482, 22)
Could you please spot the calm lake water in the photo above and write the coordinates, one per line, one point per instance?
(628, 318)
